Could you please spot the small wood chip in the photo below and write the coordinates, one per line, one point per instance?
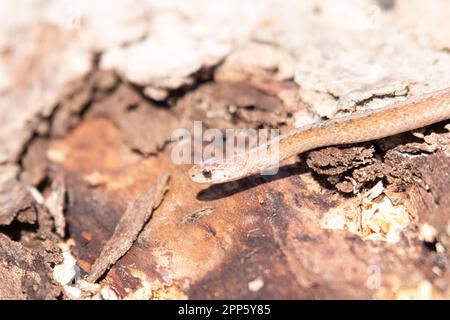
(55, 204)
(196, 215)
(129, 227)
(15, 200)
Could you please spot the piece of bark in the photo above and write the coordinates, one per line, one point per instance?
(55, 203)
(145, 126)
(129, 226)
(24, 273)
(34, 162)
(263, 230)
(15, 201)
(337, 160)
(77, 99)
(351, 168)
(337, 164)
(197, 215)
(232, 105)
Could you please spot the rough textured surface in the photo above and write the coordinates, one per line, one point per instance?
(15, 199)
(91, 92)
(255, 228)
(351, 168)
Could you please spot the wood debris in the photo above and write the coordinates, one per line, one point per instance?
(197, 215)
(15, 199)
(24, 274)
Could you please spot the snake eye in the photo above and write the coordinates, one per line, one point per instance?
(207, 173)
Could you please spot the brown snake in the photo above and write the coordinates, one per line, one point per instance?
(380, 123)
